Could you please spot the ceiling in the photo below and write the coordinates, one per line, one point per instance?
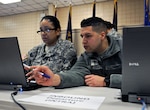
(37, 5)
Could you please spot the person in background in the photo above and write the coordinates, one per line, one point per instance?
(111, 31)
(59, 55)
(99, 66)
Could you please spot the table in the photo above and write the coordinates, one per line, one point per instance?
(111, 98)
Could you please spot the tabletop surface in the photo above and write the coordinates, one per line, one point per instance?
(111, 101)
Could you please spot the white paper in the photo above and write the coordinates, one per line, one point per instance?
(76, 101)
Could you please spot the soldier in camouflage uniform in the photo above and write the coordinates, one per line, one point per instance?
(57, 54)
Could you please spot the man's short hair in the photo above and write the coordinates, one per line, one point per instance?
(98, 24)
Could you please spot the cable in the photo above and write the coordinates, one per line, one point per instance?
(143, 103)
(12, 95)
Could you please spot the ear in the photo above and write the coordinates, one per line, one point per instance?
(58, 32)
(103, 35)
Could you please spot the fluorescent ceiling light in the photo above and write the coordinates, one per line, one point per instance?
(9, 1)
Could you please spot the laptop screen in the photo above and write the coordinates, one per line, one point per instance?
(11, 68)
(136, 64)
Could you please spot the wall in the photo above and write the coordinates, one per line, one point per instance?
(24, 26)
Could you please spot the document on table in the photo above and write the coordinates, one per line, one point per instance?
(75, 101)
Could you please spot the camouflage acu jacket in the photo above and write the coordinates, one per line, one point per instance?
(60, 58)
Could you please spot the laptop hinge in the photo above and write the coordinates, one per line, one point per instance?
(10, 87)
(134, 98)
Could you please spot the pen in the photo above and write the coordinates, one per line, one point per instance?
(43, 74)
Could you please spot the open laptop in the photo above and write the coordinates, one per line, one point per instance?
(12, 74)
(136, 64)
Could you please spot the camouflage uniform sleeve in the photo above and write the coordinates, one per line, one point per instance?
(70, 56)
(31, 55)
